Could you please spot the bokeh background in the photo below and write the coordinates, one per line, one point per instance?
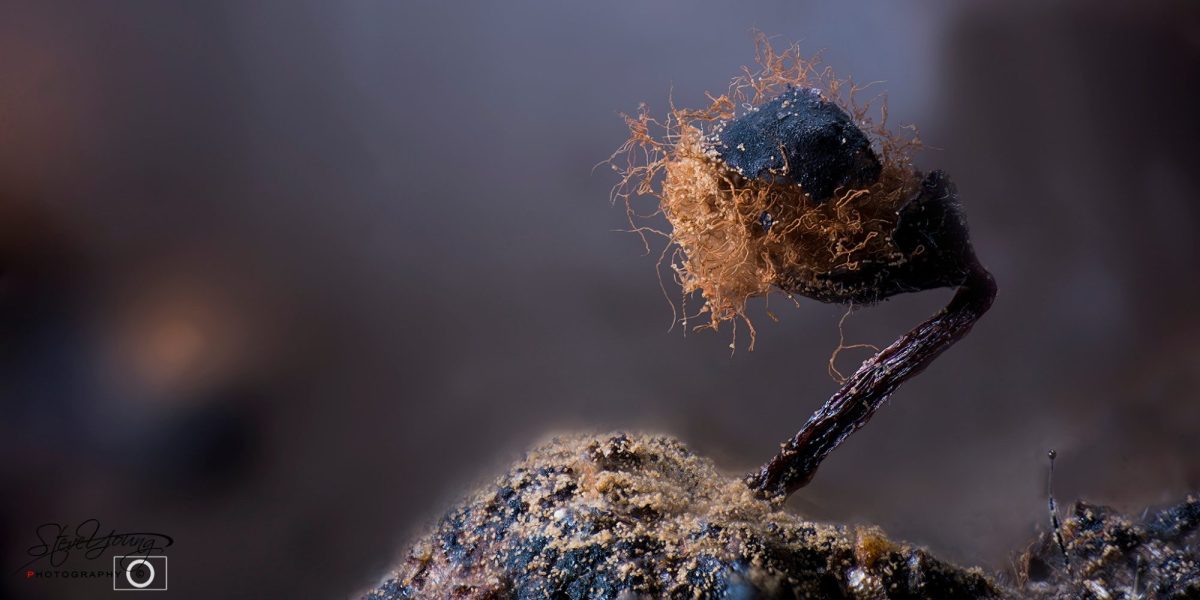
(283, 279)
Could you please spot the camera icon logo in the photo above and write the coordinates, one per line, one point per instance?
(140, 573)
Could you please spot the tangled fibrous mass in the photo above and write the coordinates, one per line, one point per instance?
(784, 181)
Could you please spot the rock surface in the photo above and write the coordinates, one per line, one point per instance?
(624, 517)
(1111, 556)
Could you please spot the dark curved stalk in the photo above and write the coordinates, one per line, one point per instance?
(858, 399)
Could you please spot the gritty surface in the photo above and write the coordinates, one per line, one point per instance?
(624, 516)
(1111, 556)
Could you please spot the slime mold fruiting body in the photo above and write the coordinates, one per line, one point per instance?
(784, 184)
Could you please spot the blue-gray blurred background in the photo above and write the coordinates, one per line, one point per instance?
(283, 279)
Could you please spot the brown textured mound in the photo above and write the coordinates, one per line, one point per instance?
(622, 516)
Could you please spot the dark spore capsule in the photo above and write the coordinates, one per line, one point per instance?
(801, 138)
